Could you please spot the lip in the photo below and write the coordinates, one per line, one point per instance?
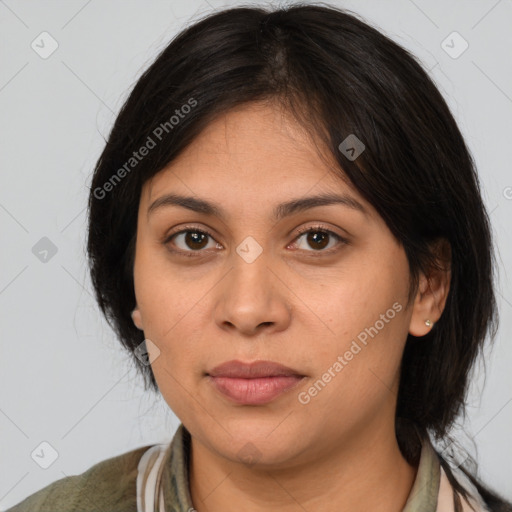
(254, 383)
(240, 370)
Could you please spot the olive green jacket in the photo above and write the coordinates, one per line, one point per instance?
(155, 479)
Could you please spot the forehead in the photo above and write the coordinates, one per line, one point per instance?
(259, 146)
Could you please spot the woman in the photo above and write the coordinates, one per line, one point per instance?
(286, 231)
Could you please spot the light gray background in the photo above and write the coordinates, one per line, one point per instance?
(64, 377)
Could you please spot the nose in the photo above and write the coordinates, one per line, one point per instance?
(252, 298)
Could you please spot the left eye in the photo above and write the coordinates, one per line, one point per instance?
(194, 240)
(318, 238)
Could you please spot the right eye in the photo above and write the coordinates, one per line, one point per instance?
(192, 240)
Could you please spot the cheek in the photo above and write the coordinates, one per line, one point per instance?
(164, 299)
(178, 368)
(367, 324)
(356, 380)
(353, 304)
(177, 390)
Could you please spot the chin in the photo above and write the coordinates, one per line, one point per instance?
(260, 446)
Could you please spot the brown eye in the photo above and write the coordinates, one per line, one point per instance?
(318, 239)
(195, 239)
(189, 240)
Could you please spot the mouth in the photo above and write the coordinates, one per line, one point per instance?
(254, 383)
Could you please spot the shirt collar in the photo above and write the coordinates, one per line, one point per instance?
(425, 490)
(176, 490)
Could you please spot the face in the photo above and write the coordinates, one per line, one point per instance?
(320, 290)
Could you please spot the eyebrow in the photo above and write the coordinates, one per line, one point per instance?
(281, 211)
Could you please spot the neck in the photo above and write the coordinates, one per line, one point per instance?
(358, 475)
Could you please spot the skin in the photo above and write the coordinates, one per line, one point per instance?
(295, 304)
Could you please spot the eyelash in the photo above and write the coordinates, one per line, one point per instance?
(315, 229)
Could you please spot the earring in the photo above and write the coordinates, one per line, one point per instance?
(428, 323)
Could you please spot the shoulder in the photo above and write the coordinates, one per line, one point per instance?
(474, 501)
(109, 484)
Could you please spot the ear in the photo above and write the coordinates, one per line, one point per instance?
(137, 318)
(432, 291)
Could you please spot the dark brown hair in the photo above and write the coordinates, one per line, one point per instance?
(338, 76)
